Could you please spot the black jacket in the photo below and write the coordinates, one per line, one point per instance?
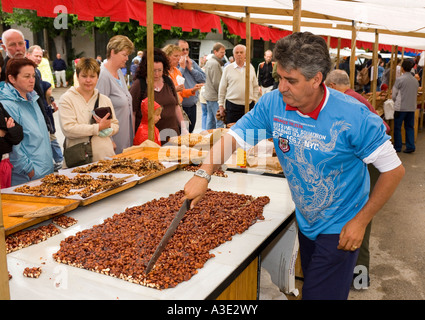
(13, 135)
(42, 100)
(265, 74)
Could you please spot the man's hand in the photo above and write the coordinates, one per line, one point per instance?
(186, 62)
(352, 233)
(351, 236)
(197, 87)
(189, 63)
(195, 189)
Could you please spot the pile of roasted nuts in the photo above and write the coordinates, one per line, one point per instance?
(122, 245)
(64, 221)
(59, 185)
(34, 272)
(25, 238)
(142, 167)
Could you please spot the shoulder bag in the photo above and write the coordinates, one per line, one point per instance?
(81, 153)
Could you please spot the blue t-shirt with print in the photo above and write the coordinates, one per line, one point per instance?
(321, 159)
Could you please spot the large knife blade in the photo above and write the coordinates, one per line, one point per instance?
(168, 234)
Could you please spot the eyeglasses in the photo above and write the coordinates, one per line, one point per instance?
(185, 49)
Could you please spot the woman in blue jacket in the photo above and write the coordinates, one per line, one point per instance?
(32, 158)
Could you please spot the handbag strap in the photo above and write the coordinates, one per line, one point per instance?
(96, 104)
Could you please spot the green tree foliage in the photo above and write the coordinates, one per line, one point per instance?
(137, 33)
(30, 20)
(132, 29)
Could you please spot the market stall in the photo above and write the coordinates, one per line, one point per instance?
(233, 258)
(339, 19)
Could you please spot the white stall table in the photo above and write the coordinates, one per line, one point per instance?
(60, 281)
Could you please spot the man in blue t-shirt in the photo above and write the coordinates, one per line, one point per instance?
(324, 141)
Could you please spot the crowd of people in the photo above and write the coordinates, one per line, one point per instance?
(287, 99)
(408, 78)
(178, 80)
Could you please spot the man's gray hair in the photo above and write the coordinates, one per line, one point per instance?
(32, 48)
(239, 45)
(6, 33)
(305, 52)
(339, 77)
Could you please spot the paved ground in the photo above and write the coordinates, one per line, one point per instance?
(398, 233)
(398, 237)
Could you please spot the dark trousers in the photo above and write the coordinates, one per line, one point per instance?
(235, 111)
(408, 118)
(191, 113)
(364, 253)
(328, 271)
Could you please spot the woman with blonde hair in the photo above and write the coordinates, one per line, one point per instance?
(174, 54)
(76, 113)
(46, 70)
(112, 84)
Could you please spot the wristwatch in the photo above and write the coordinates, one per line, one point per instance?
(203, 174)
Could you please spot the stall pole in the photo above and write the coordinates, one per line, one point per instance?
(375, 68)
(353, 55)
(248, 58)
(421, 124)
(394, 64)
(150, 80)
(391, 73)
(296, 22)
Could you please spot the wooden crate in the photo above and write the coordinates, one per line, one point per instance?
(12, 203)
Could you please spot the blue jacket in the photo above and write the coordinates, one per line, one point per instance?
(34, 152)
(59, 65)
(197, 75)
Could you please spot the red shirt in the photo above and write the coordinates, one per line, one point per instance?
(315, 113)
(363, 100)
(142, 132)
